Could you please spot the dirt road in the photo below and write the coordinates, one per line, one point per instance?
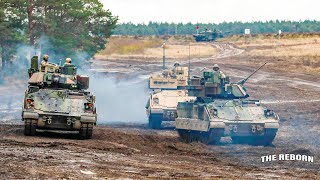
(129, 150)
(135, 67)
(133, 152)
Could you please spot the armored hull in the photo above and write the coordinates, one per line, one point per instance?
(162, 106)
(163, 101)
(221, 109)
(245, 121)
(56, 99)
(59, 109)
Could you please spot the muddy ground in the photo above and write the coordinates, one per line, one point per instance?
(130, 150)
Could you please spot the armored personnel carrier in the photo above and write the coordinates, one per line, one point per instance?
(56, 99)
(162, 106)
(163, 101)
(207, 35)
(222, 109)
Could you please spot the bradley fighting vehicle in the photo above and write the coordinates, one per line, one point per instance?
(56, 99)
(221, 109)
(207, 35)
(162, 103)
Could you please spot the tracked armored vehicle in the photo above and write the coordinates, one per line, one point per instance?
(208, 35)
(163, 101)
(222, 109)
(162, 106)
(56, 99)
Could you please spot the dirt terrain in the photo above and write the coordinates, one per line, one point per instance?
(130, 150)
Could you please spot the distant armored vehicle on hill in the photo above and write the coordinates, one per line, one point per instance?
(208, 35)
(56, 99)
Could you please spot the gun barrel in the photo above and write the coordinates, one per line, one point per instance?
(244, 80)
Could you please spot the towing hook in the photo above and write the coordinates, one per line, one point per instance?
(69, 122)
(49, 120)
(235, 129)
(253, 129)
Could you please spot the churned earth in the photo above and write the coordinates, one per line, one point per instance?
(131, 150)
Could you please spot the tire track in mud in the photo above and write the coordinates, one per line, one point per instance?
(224, 50)
(163, 157)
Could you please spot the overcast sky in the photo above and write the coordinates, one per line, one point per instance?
(143, 11)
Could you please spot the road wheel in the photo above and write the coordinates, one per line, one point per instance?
(30, 127)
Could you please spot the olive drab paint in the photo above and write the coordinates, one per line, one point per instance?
(221, 109)
(207, 35)
(57, 99)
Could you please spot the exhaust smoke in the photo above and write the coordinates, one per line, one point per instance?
(119, 101)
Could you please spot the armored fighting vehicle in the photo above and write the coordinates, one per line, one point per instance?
(222, 109)
(207, 35)
(163, 101)
(56, 99)
(162, 106)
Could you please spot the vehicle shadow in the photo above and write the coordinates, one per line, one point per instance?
(58, 134)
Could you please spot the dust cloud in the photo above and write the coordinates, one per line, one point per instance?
(13, 83)
(119, 101)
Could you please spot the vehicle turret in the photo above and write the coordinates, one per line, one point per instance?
(214, 84)
(55, 76)
(170, 79)
(208, 35)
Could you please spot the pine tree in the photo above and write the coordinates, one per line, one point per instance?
(12, 23)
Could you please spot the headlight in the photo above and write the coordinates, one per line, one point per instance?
(30, 103)
(268, 113)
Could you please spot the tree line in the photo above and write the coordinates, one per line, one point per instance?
(227, 28)
(69, 28)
